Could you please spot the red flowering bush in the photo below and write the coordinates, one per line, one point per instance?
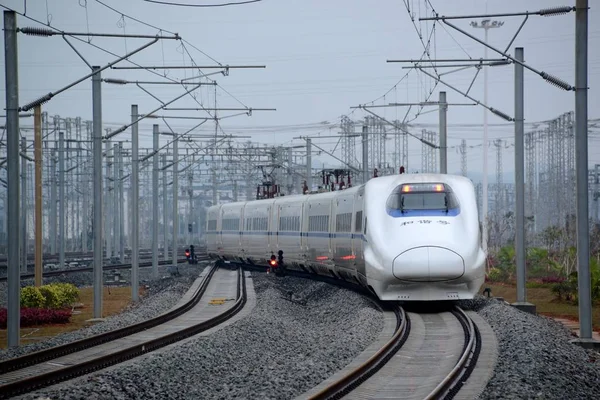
(553, 279)
(37, 316)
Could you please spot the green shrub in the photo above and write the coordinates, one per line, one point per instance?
(566, 289)
(497, 275)
(32, 297)
(54, 295)
(70, 291)
(60, 294)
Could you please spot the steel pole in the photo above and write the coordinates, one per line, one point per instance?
(581, 160)
(61, 199)
(135, 229)
(155, 204)
(520, 176)
(484, 183)
(115, 196)
(175, 197)
(53, 221)
(12, 167)
(97, 223)
(23, 206)
(121, 207)
(365, 153)
(107, 203)
(79, 180)
(443, 134)
(37, 123)
(86, 196)
(165, 209)
(596, 194)
(290, 172)
(190, 235)
(309, 164)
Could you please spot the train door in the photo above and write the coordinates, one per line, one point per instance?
(359, 225)
(342, 230)
(277, 207)
(240, 228)
(271, 228)
(219, 233)
(245, 230)
(304, 230)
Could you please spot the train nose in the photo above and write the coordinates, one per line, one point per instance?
(428, 263)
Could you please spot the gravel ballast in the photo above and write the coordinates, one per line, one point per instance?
(535, 358)
(161, 294)
(280, 350)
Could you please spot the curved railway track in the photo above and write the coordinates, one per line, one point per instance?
(14, 381)
(353, 379)
(449, 385)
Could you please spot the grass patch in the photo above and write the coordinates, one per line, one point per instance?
(115, 299)
(545, 301)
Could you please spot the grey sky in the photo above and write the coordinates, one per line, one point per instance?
(322, 57)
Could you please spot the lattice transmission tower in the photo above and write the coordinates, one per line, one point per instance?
(348, 141)
(463, 157)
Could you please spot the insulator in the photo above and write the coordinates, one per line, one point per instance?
(556, 10)
(115, 81)
(556, 81)
(501, 114)
(498, 63)
(37, 31)
(37, 102)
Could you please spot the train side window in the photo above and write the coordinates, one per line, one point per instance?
(366, 219)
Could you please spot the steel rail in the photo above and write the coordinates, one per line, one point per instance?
(364, 371)
(73, 254)
(450, 386)
(76, 256)
(105, 268)
(452, 383)
(68, 348)
(35, 382)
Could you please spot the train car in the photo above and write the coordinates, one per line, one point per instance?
(410, 237)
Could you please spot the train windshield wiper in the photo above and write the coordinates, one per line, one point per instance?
(446, 203)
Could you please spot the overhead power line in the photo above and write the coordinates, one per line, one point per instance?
(168, 3)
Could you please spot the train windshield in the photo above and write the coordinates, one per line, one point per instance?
(408, 198)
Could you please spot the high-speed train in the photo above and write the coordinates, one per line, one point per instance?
(409, 237)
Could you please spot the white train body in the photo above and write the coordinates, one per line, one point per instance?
(411, 237)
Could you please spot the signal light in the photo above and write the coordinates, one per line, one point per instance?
(273, 261)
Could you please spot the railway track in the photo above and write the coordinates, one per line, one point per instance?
(143, 264)
(413, 363)
(36, 370)
(86, 257)
(349, 382)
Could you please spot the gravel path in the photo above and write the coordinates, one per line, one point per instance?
(535, 358)
(161, 295)
(281, 350)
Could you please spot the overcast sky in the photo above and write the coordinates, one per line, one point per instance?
(321, 57)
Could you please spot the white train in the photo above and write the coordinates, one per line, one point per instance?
(411, 237)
